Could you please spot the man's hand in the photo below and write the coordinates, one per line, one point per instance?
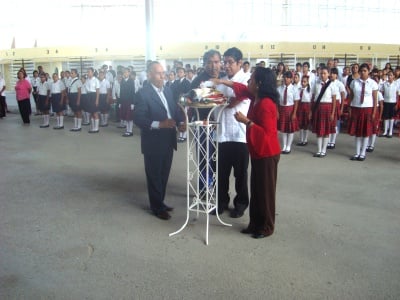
(167, 123)
(182, 127)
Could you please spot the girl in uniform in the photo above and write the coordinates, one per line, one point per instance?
(390, 91)
(363, 110)
(288, 102)
(93, 92)
(104, 99)
(74, 99)
(58, 100)
(340, 97)
(43, 89)
(303, 112)
(84, 102)
(323, 111)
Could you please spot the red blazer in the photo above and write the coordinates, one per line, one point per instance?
(262, 136)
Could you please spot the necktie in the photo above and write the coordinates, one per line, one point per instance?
(301, 94)
(362, 92)
(285, 97)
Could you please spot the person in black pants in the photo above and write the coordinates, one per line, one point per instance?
(157, 115)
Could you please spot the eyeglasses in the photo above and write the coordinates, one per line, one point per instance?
(229, 62)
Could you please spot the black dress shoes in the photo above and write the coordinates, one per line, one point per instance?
(236, 214)
(163, 215)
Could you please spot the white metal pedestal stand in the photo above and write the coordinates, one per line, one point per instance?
(201, 138)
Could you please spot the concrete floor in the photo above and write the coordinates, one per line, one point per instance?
(75, 224)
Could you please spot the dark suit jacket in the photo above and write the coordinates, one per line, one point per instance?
(180, 87)
(149, 108)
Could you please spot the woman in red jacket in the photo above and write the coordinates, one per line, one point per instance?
(263, 144)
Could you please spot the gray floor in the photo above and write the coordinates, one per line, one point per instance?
(74, 224)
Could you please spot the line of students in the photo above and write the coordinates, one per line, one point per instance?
(318, 103)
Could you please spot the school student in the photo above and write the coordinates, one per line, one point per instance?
(288, 102)
(323, 111)
(363, 111)
(303, 112)
(74, 99)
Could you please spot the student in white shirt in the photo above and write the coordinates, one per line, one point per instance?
(340, 98)
(74, 99)
(323, 111)
(58, 100)
(43, 89)
(390, 91)
(363, 111)
(288, 103)
(34, 83)
(93, 93)
(104, 99)
(377, 121)
(303, 112)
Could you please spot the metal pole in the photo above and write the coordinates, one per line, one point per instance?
(150, 48)
(81, 62)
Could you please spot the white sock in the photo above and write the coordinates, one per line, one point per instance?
(289, 141)
(284, 141)
(101, 119)
(319, 144)
(129, 127)
(58, 120)
(96, 124)
(92, 124)
(358, 145)
(301, 135)
(79, 123)
(305, 136)
(61, 121)
(87, 117)
(75, 122)
(46, 119)
(386, 127)
(364, 146)
(371, 141)
(325, 142)
(333, 137)
(106, 119)
(122, 123)
(391, 122)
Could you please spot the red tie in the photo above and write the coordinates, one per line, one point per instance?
(285, 97)
(362, 92)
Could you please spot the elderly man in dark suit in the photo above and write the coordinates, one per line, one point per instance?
(158, 116)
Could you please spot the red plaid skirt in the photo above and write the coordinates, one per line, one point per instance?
(376, 123)
(360, 123)
(125, 112)
(303, 115)
(321, 123)
(285, 123)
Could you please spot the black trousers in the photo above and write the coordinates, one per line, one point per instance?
(25, 110)
(157, 167)
(233, 155)
(3, 107)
